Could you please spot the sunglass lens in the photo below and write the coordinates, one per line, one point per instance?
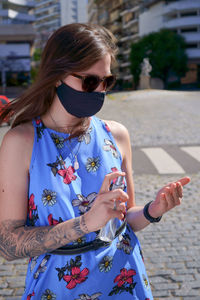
(90, 83)
(109, 82)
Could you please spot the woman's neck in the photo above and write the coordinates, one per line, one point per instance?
(57, 118)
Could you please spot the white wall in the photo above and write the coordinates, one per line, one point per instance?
(82, 11)
(65, 10)
(151, 20)
(68, 15)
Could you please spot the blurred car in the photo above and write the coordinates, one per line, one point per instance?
(3, 101)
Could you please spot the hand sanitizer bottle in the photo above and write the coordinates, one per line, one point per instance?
(107, 233)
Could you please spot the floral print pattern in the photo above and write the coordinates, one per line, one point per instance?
(107, 127)
(32, 211)
(76, 277)
(145, 281)
(58, 163)
(67, 174)
(124, 282)
(58, 167)
(49, 197)
(58, 140)
(74, 274)
(86, 137)
(80, 241)
(106, 264)
(48, 295)
(40, 128)
(84, 203)
(30, 295)
(53, 221)
(109, 146)
(33, 262)
(125, 243)
(92, 164)
(88, 297)
(42, 267)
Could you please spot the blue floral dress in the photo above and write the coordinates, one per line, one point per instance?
(58, 192)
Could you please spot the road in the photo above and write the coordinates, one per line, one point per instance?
(165, 137)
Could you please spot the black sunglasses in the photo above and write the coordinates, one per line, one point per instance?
(91, 82)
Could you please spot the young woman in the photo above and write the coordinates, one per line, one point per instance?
(59, 181)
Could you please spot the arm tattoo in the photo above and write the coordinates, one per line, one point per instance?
(84, 224)
(77, 227)
(78, 223)
(18, 240)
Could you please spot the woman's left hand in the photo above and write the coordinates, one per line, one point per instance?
(168, 197)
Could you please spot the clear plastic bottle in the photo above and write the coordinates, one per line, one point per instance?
(107, 233)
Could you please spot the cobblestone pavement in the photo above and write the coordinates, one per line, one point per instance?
(156, 117)
(171, 248)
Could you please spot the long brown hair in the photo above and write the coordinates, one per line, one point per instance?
(71, 48)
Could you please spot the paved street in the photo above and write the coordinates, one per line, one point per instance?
(167, 125)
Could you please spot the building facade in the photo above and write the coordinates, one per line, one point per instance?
(129, 20)
(16, 39)
(92, 12)
(51, 14)
(182, 17)
(121, 17)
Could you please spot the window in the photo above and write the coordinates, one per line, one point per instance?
(189, 14)
(193, 45)
(191, 29)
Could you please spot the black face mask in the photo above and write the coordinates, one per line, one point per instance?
(80, 104)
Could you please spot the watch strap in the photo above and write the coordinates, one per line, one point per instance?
(148, 216)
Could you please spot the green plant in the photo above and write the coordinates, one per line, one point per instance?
(166, 52)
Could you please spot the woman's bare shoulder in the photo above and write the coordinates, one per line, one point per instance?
(18, 142)
(21, 133)
(118, 130)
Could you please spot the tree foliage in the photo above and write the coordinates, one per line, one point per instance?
(35, 63)
(166, 52)
(37, 54)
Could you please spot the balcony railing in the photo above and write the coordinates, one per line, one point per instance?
(47, 24)
(126, 52)
(129, 37)
(132, 22)
(183, 22)
(193, 53)
(42, 3)
(191, 37)
(43, 9)
(49, 15)
(180, 5)
(125, 64)
(129, 9)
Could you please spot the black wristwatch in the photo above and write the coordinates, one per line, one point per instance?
(148, 216)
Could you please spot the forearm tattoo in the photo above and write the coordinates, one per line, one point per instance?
(85, 229)
(18, 240)
(77, 226)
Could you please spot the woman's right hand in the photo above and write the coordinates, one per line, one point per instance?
(102, 209)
